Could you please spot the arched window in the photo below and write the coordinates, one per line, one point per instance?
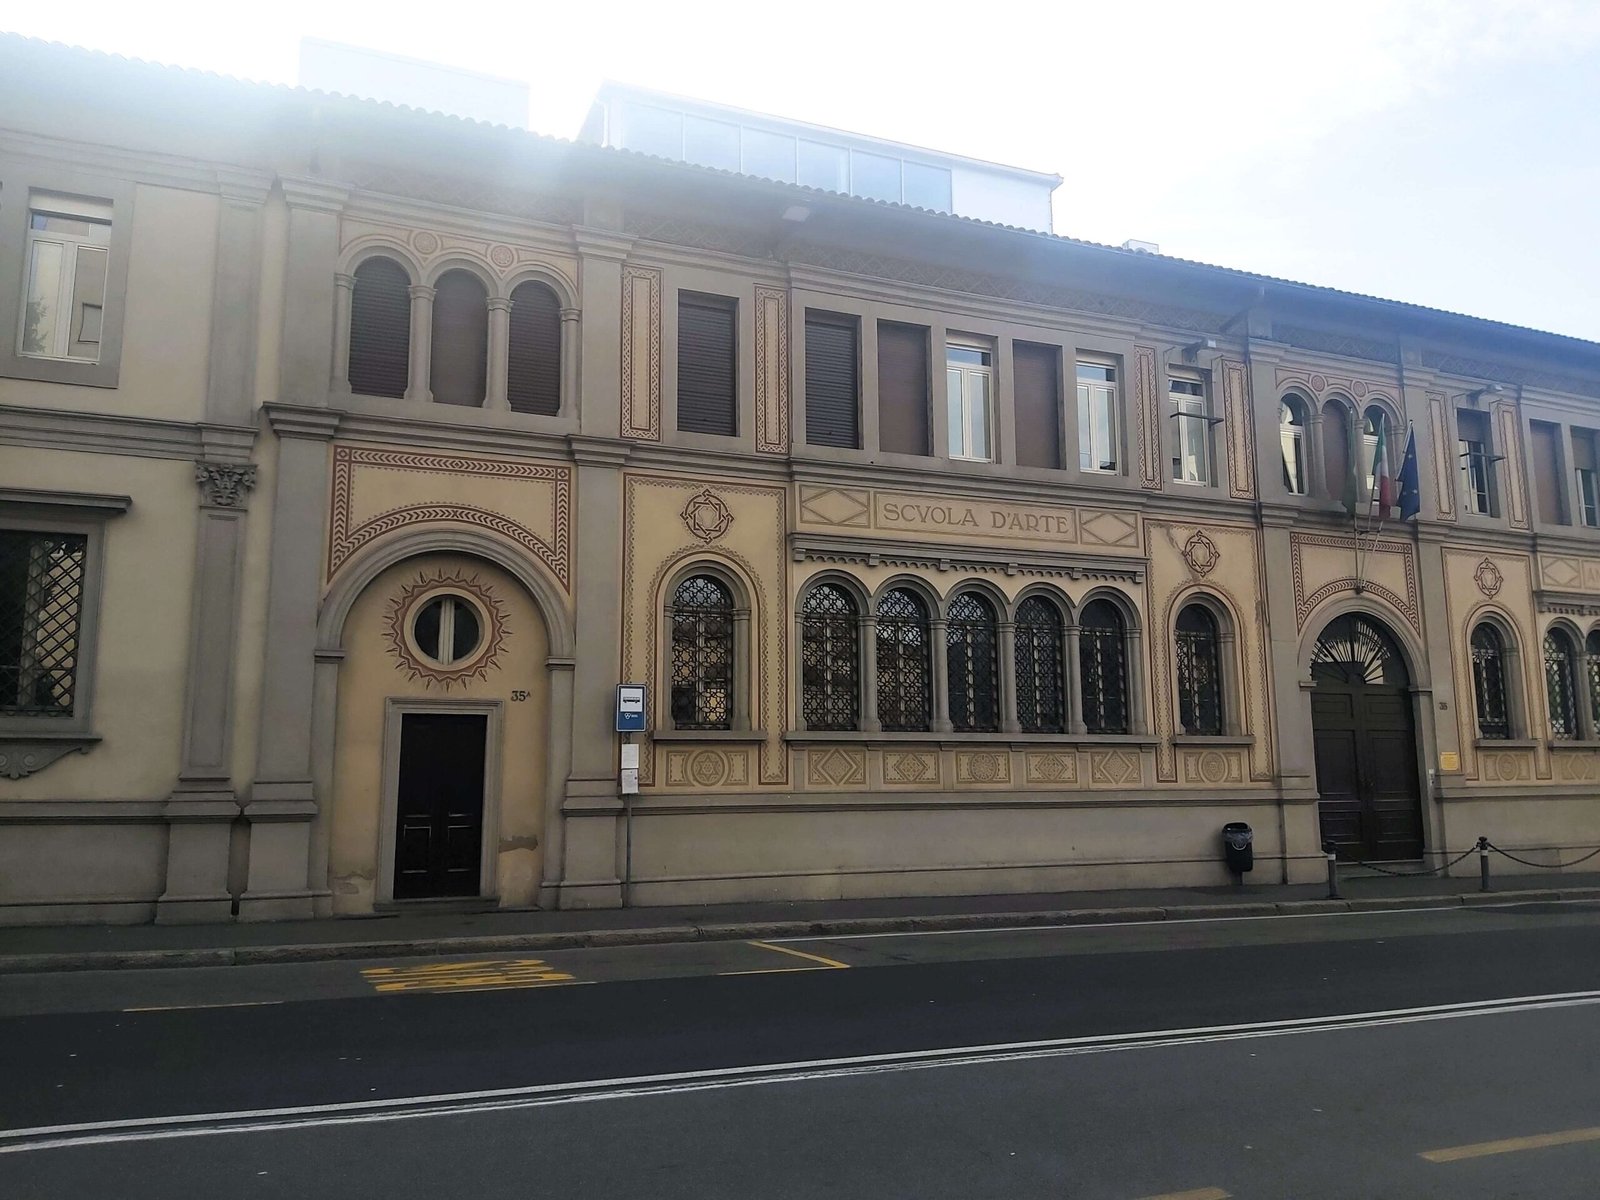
(1335, 448)
(1559, 685)
(1292, 436)
(460, 339)
(905, 665)
(972, 652)
(830, 659)
(1377, 435)
(1199, 672)
(533, 359)
(380, 329)
(1041, 696)
(1591, 655)
(1103, 659)
(701, 618)
(1489, 682)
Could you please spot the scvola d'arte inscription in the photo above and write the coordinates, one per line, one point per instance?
(976, 518)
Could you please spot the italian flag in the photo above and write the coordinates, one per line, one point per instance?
(1383, 486)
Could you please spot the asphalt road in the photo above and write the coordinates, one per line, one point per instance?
(1119, 1062)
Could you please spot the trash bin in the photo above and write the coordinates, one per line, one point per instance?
(1238, 846)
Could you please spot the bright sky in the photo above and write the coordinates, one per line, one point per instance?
(1444, 152)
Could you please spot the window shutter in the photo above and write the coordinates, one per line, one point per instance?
(1038, 404)
(380, 329)
(832, 383)
(903, 389)
(707, 365)
(460, 340)
(533, 358)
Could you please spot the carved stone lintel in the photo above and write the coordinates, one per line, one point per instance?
(224, 485)
(22, 756)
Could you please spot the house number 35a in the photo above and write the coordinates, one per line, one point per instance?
(519, 694)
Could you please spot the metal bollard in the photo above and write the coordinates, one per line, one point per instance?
(1333, 872)
(1483, 865)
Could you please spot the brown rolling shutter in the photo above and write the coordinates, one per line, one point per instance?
(1038, 404)
(533, 358)
(460, 339)
(380, 329)
(832, 381)
(707, 365)
(1547, 474)
(903, 389)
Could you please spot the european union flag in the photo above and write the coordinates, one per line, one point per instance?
(1410, 494)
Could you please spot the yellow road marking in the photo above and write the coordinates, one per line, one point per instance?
(182, 1007)
(816, 958)
(480, 976)
(1196, 1194)
(1537, 1141)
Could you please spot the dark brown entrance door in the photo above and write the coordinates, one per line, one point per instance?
(1366, 742)
(439, 839)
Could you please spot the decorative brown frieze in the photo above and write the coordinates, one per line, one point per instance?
(772, 370)
(1147, 404)
(641, 353)
(1239, 430)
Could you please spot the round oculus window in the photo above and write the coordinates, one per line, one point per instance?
(447, 629)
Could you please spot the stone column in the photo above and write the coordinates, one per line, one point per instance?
(344, 293)
(869, 675)
(499, 348)
(1007, 666)
(1138, 719)
(1074, 681)
(201, 810)
(421, 367)
(739, 718)
(571, 348)
(941, 676)
(283, 805)
(588, 874)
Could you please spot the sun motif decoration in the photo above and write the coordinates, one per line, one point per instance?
(481, 612)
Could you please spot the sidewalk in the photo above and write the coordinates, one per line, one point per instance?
(97, 947)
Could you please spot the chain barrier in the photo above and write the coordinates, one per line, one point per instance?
(1353, 861)
(1545, 866)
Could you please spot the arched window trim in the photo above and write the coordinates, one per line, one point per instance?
(1132, 687)
(856, 683)
(1492, 670)
(743, 614)
(345, 313)
(1391, 428)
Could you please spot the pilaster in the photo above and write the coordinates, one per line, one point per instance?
(497, 372)
(421, 364)
(306, 363)
(236, 286)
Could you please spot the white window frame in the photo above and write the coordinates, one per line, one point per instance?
(1090, 390)
(27, 184)
(959, 406)
(1187, 407)
(73, 208)
(1468, 458)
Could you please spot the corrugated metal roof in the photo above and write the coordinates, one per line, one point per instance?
(802, 191)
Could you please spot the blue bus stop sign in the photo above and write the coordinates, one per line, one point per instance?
(630, 708)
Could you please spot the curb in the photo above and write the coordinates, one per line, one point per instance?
(239, 956)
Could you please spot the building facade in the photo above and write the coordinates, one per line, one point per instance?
(350, 457)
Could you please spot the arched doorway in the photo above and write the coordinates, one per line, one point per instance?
(1366, 741)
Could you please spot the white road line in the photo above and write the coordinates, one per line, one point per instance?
(95, 1133)
(1167, 922)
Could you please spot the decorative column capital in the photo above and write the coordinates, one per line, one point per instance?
(421, 291)
(347, 282)
(570, 315)
(499, 304)
(224, 485)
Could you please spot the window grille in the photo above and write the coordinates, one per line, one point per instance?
(972, 654)
(41, 596)
(1199, 672)
(1102, 654)
(905, 663)
(1041, 694)
(1558, 683)
(1355, 651)
(701, 615)
(830, 659)
(1489, 682)
(1592, 665)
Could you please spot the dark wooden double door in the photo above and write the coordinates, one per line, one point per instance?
(1366, 744)
(438, 848)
